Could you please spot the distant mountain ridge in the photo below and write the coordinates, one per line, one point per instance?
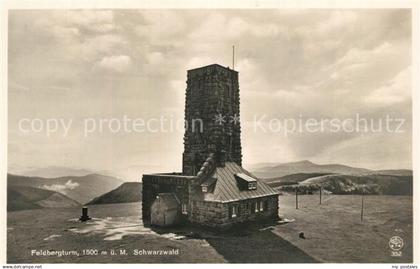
(283, 169)
(101, 189)
(346, 184)
(55, 172)
(127, 174)
(79, 188)
(128, 192)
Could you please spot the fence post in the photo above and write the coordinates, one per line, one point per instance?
(361, 212)
(320, 194)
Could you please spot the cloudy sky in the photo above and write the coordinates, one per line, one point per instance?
(79, 64)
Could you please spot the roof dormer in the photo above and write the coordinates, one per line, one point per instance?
(208, 185)
(246, 182)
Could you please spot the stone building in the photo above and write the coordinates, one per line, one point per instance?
(213, 188)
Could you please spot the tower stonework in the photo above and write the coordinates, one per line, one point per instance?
(213, 189)
(212, 118)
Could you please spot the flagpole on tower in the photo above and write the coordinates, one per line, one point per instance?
(233, 57)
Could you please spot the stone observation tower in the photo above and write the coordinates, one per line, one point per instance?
(212, 117)
(213, 188)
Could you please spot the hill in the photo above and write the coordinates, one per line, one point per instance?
(279, 170)
(126, 193)
(21, 198)
(351, 184)
(79, 188)
(272, 170)
(55, 172)
(291, 179)
(394, 172)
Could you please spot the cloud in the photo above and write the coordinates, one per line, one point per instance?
(98, 45)
(117, 63)
(375, 151)
(396, 90)
(155, 58)
(62, 188)
(88, 20)
(234, 27)
(160, 27)
(314, 62)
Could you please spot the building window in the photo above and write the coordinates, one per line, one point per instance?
(234, 211)
(252, 185)
(184, 209)
(261, 206)
(204, 188)
(257, 207)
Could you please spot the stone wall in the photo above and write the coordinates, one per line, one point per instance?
(246, 210)
(217, 215)
(210, 214)
(211, 91)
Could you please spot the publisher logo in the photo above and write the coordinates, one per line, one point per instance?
(396, 243)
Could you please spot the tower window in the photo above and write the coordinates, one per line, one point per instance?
(229, 91)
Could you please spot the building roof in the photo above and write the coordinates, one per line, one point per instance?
(226, 188)
(245, 177)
